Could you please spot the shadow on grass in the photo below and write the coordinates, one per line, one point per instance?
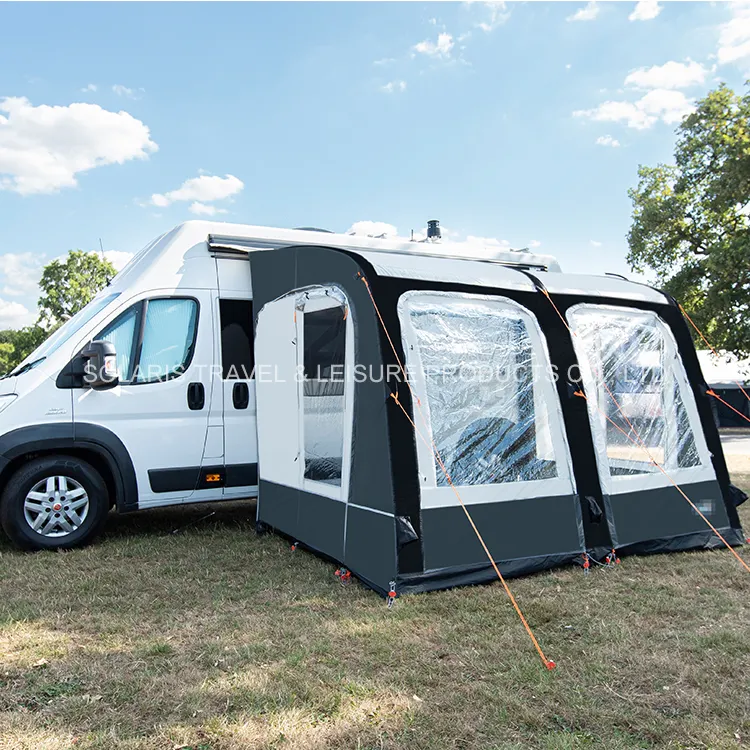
(215, 638)
(170, 521)
(177, 519)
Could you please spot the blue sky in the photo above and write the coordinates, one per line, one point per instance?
(120, 121)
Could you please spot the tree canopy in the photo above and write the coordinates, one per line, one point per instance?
(66, 286)
(691, 219)
(15, 346)
(69, 285)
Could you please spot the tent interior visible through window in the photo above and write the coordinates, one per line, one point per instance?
(323, 389)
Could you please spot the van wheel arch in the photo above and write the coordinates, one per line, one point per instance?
(94, 444)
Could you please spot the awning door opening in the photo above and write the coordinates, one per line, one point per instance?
(304, 344)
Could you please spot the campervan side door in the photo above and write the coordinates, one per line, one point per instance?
(234, 308)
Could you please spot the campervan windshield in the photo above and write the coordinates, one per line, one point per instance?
(65, 332)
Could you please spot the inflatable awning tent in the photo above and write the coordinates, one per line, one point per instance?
(360, 476)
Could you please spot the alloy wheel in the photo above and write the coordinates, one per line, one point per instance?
(56, 506)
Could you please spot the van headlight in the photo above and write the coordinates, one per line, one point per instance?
(6, 401)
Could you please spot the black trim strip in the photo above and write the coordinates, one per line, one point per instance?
(241, 475)
(196, 477)
(173, 480)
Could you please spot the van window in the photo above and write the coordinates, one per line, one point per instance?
(160, 348)
(237, 356)
(168, 339)
(122, 332)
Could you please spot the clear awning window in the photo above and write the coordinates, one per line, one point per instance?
(641, 407)
(481, 370)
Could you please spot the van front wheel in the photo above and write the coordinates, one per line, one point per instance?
(54, 502)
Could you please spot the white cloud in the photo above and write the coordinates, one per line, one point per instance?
(14, 315)
(671, 75)
(441, 48)
(612, 111)
(90, 88)
(118, 258)
(669, 106)
(595, 243)
(588, 13)
(43, 148)
(157, 199)
(659, 104)
(121, 90)
(490, 242)
(203, 209)
(568, 66)
(205, 189)
(384, 61)
(20, 274)
(607, 140)
(486, 246)
(489, 245)
(392, 86)
(645, 10)
(372, 229)
(19, 278)
(734, 35)
(498, 14)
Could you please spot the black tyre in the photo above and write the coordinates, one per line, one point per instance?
(54, 502)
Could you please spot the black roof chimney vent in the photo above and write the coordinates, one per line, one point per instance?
(433, 229)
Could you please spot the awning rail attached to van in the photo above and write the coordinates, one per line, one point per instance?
(233, 245)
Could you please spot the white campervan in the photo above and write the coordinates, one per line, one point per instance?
(169, 416)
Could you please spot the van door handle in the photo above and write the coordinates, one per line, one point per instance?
(240, 396)
(196, 396)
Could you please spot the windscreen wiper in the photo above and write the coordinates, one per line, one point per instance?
(26, 367)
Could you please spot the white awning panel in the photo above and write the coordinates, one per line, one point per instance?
(599, 286)
(427, 268)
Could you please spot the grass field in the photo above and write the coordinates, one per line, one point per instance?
(214, 638)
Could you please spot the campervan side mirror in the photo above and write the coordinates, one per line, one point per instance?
(100, 365)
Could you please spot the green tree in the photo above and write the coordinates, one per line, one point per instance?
(690, 219)
(15, 346)
(67, 286)
(7, 360)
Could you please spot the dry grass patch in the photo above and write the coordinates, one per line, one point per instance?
(216, 639)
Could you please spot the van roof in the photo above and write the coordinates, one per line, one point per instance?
(461, 263)
(245, 236)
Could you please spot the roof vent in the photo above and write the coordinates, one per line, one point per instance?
(433, 230)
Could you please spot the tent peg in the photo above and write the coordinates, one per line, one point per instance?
(344, 576)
